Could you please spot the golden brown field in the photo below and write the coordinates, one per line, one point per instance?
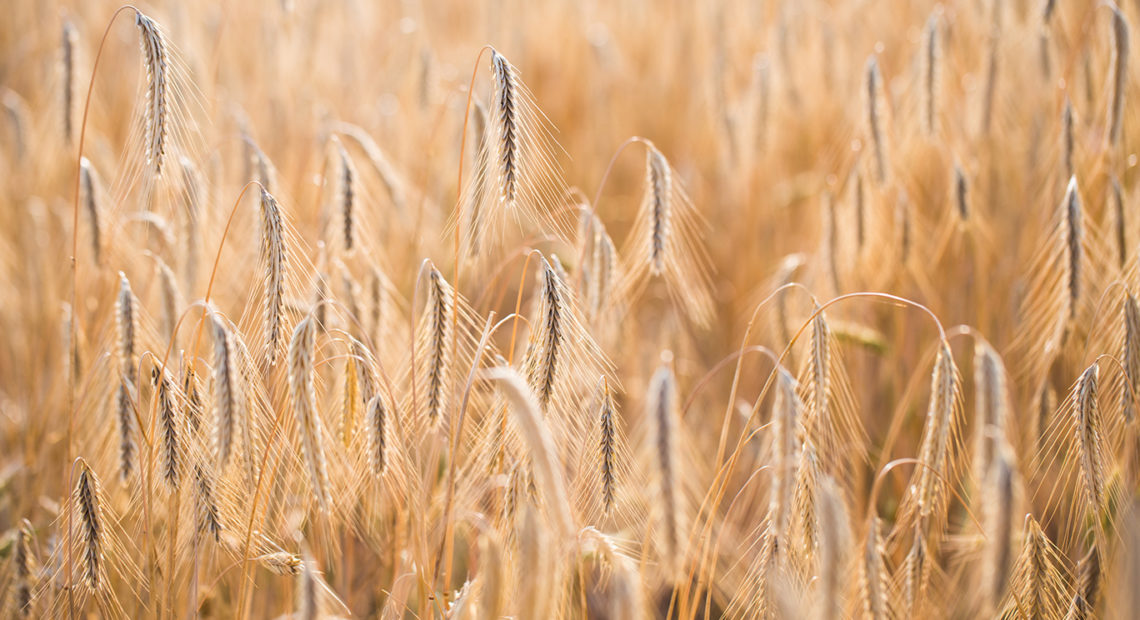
(398, 309)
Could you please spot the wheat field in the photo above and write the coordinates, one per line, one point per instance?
(403, 309)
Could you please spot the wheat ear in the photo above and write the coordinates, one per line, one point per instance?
(930, 56)
(608, 447)
(508, 125)
(156, 61)
(997, 498)
(873, 585)
(91, 205)
(440, 312)
(1067, 139)
(1120, 40)
(662, 401)
(1072, 232)
(1120, 222)
(308, 604)
(68, 41)
(125, 324)
(834, 540)
(274, 263)
(377, 434)
(168, 422)
(786, 412)
(23, 560)
(226, 392)
(543, 451)
(304, 398)
(875, 119)
(208, 514)
(550, 335)
(347, 195)
(1085, 414)
(89, 505)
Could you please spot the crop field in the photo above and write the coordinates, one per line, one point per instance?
(569, 309)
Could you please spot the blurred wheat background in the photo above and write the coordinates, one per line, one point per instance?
(405, 309)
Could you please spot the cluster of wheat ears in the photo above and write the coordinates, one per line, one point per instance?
(304, 316)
